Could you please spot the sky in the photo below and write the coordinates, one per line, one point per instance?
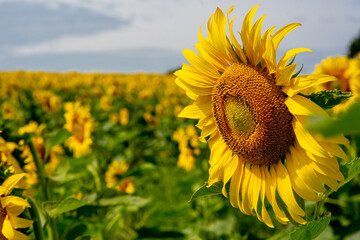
(149, 35)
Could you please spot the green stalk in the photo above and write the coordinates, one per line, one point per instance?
(40, 171)
(39, 233)
(44, 187)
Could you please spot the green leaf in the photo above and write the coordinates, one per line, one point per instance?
(345, 122)
(56, 208)
(312, 229)
(59, 138)
(131, 202)
(214, 189)
(350, 170)
(328, 99)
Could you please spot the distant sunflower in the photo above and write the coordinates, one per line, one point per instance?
(248, 105)
(79, 122)
(347, 73)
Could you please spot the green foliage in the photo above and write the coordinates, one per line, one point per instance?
(56, 208)
(57, 138)
(346, 123)
(312, 229)
(204, 190)
(328, 99)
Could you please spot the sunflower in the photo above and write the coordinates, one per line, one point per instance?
(254, 119)
(347, 73)
(10, 209)
(115, 170)
(79, 122)
(53, 159)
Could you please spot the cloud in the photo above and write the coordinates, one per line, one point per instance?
(25, 23)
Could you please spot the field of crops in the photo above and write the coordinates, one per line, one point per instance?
(116, 162)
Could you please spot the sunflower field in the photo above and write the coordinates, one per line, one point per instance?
(233, 146)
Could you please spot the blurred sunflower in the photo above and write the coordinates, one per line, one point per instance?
(79, 122)
(347, 73)
(53, 159)
(113, 179)
(10, 209)
(49, 101)
(6, 157)
(248, 106)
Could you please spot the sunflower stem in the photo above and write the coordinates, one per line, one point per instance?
(34, 212)
(40, 171)
(44, 186)
(318, 207)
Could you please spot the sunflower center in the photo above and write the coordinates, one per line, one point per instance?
(251, 114)
(239, 117)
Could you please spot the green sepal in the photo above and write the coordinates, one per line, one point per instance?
(328, 99)
(312, 229)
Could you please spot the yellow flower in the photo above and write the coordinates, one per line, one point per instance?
(114, 118)
(124, 116)
(105, 103)
(49, 101)
(11, 207)
(7, 110)
(52, 160)
(347, 73)
(186, 157)
(118, 168)
(81, 124)
(249, 108)
(6, 157)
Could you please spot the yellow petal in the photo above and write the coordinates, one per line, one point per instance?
(229, 171)
(207, 130)
(235, 185)
(245, 191)
(20, 236)
(213, 55)
(284, 75)
(205, 121)
(304, 169)
(245, 33)
(265, 215)
(218, 33)
(195, 78)
(196, 111)
(189, 87)
(11, 182)
(271, 196)
(289, 54)
(299, 187)
(7, 229)
(299, 105)
(5, 201)
(282, 32)
(334, 149)
(20, 222)
(285, 189)
(255, 35)
(237, 47)
(307, 141)
(301, 83)
(255, 185)
(200, 64)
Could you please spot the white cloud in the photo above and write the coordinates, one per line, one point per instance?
(174, 24)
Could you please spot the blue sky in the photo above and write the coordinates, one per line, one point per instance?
(149, 35)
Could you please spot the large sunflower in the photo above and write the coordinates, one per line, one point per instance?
(249, 108)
